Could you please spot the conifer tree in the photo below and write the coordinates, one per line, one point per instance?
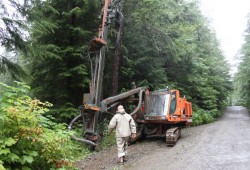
(60, 30)
(242, 78)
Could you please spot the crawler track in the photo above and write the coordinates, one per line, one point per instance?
(172, 135)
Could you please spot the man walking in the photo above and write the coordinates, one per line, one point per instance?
(125, 127)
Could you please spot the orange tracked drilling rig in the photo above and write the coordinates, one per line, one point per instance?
(158, 113)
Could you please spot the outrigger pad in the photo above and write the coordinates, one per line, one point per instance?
(96, 44)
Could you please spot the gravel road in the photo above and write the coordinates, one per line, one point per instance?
(222, 145)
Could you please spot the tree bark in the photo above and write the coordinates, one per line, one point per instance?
(117, 55)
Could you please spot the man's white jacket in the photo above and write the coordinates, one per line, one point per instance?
(124, 124)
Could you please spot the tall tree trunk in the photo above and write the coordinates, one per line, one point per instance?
(117, 55)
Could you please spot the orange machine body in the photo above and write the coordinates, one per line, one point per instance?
(167, 107)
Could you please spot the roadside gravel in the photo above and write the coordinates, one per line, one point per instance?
(224, 144)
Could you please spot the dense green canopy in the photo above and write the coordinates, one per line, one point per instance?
(242, 78)
(165, 43)
(169, 43)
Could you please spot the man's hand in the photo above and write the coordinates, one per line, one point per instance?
(133, 135)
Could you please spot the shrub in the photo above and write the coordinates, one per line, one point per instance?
(201, 116)
(215, 113)
(108, 140)
(197, 119)
(207, 118)
(30, 140)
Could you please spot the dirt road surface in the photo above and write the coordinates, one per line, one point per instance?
(222, 145)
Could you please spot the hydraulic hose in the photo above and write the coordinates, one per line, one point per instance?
(83, 140)
(139, 103)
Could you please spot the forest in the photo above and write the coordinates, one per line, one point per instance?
(45, 71)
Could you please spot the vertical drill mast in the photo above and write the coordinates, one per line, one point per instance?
(100, 63)
(90, 112)
(98, 45)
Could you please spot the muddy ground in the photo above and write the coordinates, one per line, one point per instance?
(224, 144)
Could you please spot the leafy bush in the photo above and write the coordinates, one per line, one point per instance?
(63, 113)
(197, 119)
(30, 140)
(207, 118)
(201, 116)
(215, 113)
(108, 140)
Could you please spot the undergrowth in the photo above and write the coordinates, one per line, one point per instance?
(29, 140)
(203, 116)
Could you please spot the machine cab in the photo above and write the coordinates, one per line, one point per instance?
(166, 105)
(158, 105)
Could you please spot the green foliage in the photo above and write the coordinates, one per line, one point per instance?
(215, 113)
(60, 30)
(11, 68)
(108, 140)
(197, 119)
(201, 116)
(12, 40)
(63, 113)
(12, 26)
(169, 43)
(28, 138)
(166, 43)
(242, 78)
